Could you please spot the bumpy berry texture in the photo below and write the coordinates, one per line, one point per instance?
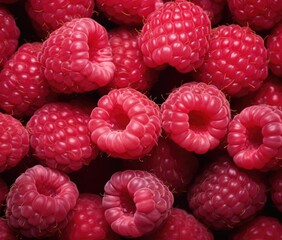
(40, 202)
(77, 57)
(223, 196)
(254, 139)
(47, 16)
(196, 116)
(9, 35)
(180, 225)
(59, 137)
(14, 142)
(275, 181)
(88, 221)
(136, 202)
(177, 34)
(259, 15)
(125, 124)
(6, 232)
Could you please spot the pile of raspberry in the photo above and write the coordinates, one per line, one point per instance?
(146, 120)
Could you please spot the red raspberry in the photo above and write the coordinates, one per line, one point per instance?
(9, 35)
(275, 180)
(59, 137)
(5, 232)
(196, 116)
(136, 202)
(255, 137)
(262, 227)
(47, 16)
(236, 61)
(177, 34)
(14, 142)
(258, 15)
(130, 13)
(125, 124)
(180, 225)
(23, 88)
(40, 201)
(224, 196)
(77, 57)
(88, 221)
(273, 46)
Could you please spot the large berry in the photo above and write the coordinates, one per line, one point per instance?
(275, 182)
(40, 201)
(196, 116)
(77, 57)
(125, 124)
(59, 136)
(176, 34)
(136, 202)
(236, 61)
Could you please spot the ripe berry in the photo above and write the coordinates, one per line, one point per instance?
(275, 180)
(6, 232)
(136, 202)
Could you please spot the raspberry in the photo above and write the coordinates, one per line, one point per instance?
(59, 137)
(125, 124)
(23, 88)
(275, 180)
(180, 225)
(9, 35)
(236, 61)
(5, 232)
(47, 16)
(273, 46)
(262, 227)
(177, 34)
(196, 116)
(88, 221)
(255, 137)
(14, 142)
(136, 202)
(40, 201)
(77, 57)
(223, 196)
(259, 15)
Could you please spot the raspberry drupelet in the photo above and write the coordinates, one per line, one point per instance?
(275, 183)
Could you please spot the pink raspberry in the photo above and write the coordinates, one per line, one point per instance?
(77, 57)
(136, 202)
(258, 15)
(9, 35)
(196, 116)
(14, 142)
(255, 137)
(59, 137)
(177, 34)
(224, 196)
(275, 180)
(88, 221)
(40, 202)
(273, 45)
(236, 61)
(23, 88)
(47, 16)
(125, 124)
(6, 232)
(180, 225)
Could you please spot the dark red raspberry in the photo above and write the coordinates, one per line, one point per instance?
(14, 142)
(6, 232)
(180, 225)
(258, 15)
(236, 61)
(275, 180)
(255, 137)
(224, 196)
(88, 221)
(77, 57)
(273, 46)
(9, 35)
(196, 116)
(125, 124)
(23, 88)
(47, 16)
(3, 192)
(136, 202)
(40, 202)
(176, 34)
(59, 136)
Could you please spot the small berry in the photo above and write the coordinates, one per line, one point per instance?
(275, 180)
